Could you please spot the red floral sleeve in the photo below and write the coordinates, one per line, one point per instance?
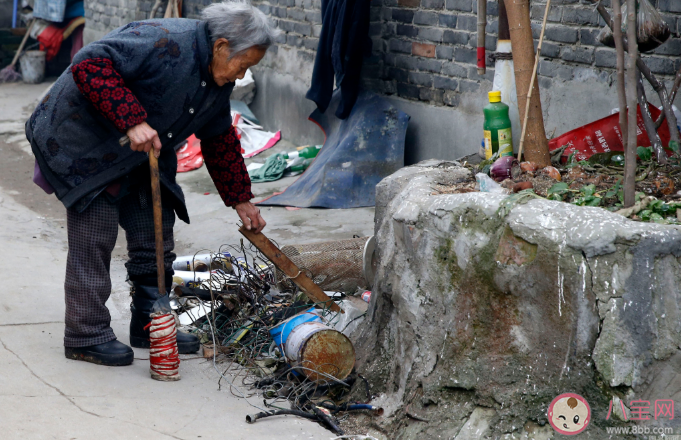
(226, 167)
(99, 82)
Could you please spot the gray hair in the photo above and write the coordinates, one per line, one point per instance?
(240, 23)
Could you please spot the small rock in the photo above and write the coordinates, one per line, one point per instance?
(552, 173)
(665, 185)
(508, 184)
(520, 186)
(529, 167)
(576, 172)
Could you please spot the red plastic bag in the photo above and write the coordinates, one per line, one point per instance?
(189, 156)
(604, 136)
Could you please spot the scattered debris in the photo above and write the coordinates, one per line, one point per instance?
(260, 329)
(593, 182)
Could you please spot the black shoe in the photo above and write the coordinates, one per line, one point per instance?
(112, 353)
(143, 298)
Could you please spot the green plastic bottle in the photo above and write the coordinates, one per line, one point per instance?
(497, 127)
(307, 152)
(300, 166)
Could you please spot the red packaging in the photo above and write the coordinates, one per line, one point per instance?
(366, 296)
(603, 136)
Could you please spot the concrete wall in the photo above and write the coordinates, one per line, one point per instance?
(423, 59)
(495, 310)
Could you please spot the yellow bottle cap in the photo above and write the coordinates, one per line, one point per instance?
(494, 96)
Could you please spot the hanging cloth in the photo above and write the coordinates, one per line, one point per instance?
(343, 42)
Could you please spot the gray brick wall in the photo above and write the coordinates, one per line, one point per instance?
(102, 16)
(425, 49)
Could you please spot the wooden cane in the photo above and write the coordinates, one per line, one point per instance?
(158, 222)
(158, 217)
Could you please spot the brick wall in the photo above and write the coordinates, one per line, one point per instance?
(103, 16)
(424, 54)
(425, 49)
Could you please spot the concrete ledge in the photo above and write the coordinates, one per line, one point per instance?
(488, 307)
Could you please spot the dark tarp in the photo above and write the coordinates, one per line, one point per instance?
(358, 153)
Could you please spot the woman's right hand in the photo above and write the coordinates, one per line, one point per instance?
(144, 138)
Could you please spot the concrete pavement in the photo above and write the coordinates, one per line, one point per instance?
(45, 396)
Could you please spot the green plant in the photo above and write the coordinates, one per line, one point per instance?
(645, 153)
(588, 196)
(557, 191)
(615, 189)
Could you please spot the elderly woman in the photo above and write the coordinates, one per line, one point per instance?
(158, 81)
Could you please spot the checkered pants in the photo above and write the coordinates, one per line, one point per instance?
(92, 235)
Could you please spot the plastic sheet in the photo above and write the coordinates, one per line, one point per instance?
(358, 153)
(651, 29)
(604, 136)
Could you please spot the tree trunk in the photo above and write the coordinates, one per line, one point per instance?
(536, 147)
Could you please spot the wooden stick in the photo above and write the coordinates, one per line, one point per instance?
(621, 91)
(158, 216)
(169, 10)
(482, 24)
(648, 121)
(632, 98)
(158, 223)
(281, 261)
(532, 81)
(154, 8)
(672, 97)
(23, 43)
(658, 86)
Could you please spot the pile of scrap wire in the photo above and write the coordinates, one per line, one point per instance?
(232, 301)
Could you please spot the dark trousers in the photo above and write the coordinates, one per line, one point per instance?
(92, 235)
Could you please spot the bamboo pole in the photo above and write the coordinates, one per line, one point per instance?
(632, 76)
(535, 143)
(482, 24)
(532, 81)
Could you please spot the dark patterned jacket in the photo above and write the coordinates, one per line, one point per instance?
(154, 71)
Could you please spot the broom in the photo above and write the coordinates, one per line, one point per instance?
(9, 73)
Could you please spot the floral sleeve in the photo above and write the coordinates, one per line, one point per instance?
(99, 82)
(226, 167)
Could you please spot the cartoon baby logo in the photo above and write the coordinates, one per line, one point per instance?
(569, 414)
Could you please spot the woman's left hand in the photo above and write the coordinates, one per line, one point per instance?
(251, 217)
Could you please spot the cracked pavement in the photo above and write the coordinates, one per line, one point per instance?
(45, 396)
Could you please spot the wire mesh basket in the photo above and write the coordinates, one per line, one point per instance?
(338, 266)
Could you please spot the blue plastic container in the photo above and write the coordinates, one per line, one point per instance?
(280, 333)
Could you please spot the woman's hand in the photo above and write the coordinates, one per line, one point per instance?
(144, 138)
(251, 217)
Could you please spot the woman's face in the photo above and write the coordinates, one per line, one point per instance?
(227, 70)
